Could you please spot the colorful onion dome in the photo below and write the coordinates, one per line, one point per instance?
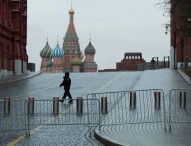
(46, 51)
(57, 52)
(50, 62)
(76, 61)
(90, 49)
(71, 11)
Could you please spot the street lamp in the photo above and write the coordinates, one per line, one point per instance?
(167, 28)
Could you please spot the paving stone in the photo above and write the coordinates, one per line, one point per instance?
(144, 134)
(149, 134)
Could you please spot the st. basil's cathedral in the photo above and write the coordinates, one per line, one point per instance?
(69, 58)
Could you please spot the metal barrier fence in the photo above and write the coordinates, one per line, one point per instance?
(131, 107)
(98, 109)
(179, 106)
(13, 115)
(16, 115)
(52, 112)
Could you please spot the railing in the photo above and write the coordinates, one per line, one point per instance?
(46, 113)
(26, 114)
(131, 107)
(13, 115)
(179, 106)
(98, 109)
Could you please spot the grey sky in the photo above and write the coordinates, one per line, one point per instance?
(116, 27)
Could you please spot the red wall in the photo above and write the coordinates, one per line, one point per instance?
(13, 33)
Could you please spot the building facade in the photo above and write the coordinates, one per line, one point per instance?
(130, 62)
(13, 37)
(69, 58)
(180, 34)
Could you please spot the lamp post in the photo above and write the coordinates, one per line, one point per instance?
(167, 28)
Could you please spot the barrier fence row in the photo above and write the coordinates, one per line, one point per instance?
(26, 114)
(131, 107)
(99, 109)
(179, 106)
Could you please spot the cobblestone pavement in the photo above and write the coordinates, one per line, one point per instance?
(145, 134)
(46, 86)
(150, 134)
(15, 78)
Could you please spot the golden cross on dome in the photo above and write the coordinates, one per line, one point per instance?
(90, 37)
(47, 37)
(57, 39)
(71, 3)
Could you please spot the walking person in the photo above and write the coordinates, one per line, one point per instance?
(66, 83)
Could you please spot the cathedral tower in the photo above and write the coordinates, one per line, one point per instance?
(57, 56)
(71, 45)
(89, 65)
(45, 54)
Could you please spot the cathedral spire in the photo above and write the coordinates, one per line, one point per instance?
(71, 32)
(71, 3)
(71, 45)
(90, 37)
(47, 37)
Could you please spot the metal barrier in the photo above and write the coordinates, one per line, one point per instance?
(98, 109)
(18, 115)
(13, 115)
(79, 105)
(104, 105)
(30, 105)
(179, 106)
(120, 105)
(65, 114)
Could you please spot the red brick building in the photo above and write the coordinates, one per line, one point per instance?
(180, 33)
(130, 62)
(13, 34)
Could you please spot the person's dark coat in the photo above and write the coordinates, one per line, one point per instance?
(66, 82)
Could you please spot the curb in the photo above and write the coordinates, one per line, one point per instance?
(18, 79)
(185, 76)
(104, 140)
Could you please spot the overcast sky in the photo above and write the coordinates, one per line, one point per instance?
(116, 27)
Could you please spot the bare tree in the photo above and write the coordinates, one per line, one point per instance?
(165, 5)
(180, 25)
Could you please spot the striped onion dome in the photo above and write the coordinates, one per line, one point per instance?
(57, 52)
(90, 49)
(46, 51)
(76, 61)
